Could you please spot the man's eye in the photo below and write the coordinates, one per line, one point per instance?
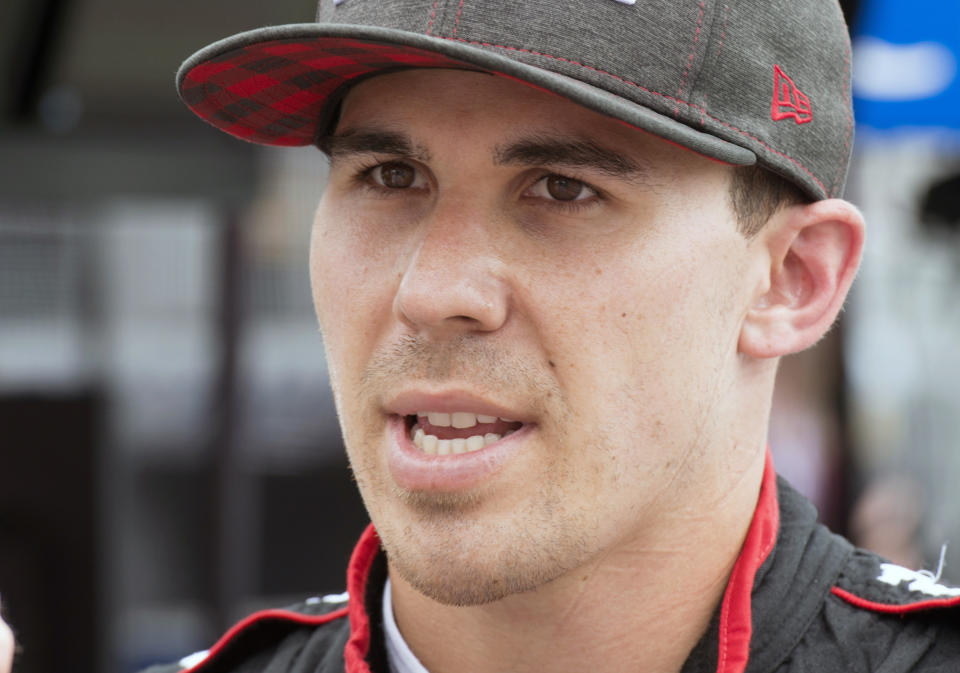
(394, 175)
(561, 188)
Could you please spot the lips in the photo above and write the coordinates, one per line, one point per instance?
(449, 443)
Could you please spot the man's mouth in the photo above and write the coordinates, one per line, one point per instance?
(443, 434)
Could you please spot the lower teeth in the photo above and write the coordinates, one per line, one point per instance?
(444, 447)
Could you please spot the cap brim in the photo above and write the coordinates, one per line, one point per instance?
(279, 85)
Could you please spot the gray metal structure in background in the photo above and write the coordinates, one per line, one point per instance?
(88, 114)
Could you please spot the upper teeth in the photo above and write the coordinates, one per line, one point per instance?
(457, 419)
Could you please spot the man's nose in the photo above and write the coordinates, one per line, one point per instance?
(454, 281)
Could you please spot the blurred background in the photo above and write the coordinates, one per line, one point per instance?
(169, 454)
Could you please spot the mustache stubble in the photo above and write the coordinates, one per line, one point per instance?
(487, 368)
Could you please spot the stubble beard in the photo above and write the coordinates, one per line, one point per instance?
(456, 557)
(444, 544)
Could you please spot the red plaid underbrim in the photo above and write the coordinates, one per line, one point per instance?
(274, 92)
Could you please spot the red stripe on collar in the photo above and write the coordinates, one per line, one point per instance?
(894, 609)
(358, 572)
(258, 618)
(735, 612)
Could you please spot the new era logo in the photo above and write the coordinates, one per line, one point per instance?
(788, 101)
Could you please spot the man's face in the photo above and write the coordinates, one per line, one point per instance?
(488, 251)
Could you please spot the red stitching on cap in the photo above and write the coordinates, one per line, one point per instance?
(433, 14)
(733, 128)
(723, 32)
(457, 22)
(723, 36)
(693, 51)
(775, 151)
(846, 136)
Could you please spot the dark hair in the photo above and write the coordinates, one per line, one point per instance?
(757, 194)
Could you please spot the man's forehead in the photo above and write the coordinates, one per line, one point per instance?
(404, 99)
(518, 123)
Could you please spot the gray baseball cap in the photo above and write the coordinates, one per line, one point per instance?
(740, 81)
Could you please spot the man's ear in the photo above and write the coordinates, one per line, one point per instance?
(813, 252)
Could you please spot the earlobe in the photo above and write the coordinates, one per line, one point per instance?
(814, 251)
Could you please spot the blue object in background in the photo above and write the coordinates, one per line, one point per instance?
(906, 64)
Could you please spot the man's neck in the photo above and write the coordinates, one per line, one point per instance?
(640, 607)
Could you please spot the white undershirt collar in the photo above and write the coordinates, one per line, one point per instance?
(399, 656)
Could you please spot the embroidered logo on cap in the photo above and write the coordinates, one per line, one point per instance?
(788, 101)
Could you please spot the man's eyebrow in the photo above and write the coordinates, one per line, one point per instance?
(572, 152)
(360, 141)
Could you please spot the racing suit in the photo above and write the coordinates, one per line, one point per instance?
(799, 600)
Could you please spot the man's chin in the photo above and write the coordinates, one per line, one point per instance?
(432, 505)
(467, 584)
(459, 561)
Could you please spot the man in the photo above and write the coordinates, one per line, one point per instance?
(561, 250)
